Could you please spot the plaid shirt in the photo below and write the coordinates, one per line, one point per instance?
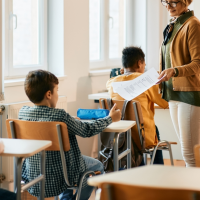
(55, 183)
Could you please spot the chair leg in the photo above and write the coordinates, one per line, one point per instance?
(81, 183)
(15, 174)
(98, 194)
(169, 149)
(18, 176)
(145, 158)
(153, 156)
(42, 171)
(170, 153)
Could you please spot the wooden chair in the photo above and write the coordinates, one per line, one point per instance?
(197, 155)
(115, 191)
(134, 112)
(56, 132)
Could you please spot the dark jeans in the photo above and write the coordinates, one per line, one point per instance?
(7, 195)
(158, 157)
(92, 165)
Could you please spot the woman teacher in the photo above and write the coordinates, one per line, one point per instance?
(180, 73)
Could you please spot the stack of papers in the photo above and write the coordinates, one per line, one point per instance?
(131, 89)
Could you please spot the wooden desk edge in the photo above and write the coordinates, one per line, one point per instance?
(121, 130)
(27, 154)
(98, 184)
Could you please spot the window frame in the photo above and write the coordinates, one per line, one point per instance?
(9, 70)
(135, 19)
(105, 61)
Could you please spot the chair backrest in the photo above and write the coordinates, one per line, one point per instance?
(39, 131)
(197, 155)
(133, 112)
(110, 191)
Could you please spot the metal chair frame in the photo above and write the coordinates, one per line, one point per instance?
(116, 156)
(151, 151)
(41, 178)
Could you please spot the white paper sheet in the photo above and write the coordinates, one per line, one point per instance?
(131, 89)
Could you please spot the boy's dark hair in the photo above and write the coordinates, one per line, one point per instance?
(131, 55)
(37, 83)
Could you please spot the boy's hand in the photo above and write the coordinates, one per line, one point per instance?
(122, 70)
(76, 117)
(115, 113)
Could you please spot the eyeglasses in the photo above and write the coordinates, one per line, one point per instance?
(172, 4)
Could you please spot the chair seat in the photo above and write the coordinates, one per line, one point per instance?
(162, 146)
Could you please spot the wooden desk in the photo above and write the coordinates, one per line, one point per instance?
(23, 149)
(117, 128)
(120, 126)
(153, 176)
(97, 96)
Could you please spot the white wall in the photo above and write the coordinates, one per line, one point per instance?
(196, 7)
(156, 22)
(56, 37)
(1, 55)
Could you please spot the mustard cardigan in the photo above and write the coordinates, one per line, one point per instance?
(185, 56)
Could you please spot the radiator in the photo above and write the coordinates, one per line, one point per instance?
(11, 111)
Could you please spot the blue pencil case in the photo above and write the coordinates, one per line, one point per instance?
(92, 113)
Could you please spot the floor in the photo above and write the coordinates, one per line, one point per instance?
(26, 195)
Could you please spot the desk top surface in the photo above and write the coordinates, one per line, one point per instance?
(97, 96)
(23, 148)
(120, 126)
(153, 176)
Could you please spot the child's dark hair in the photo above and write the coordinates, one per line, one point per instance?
(37, 83)
(131, 55)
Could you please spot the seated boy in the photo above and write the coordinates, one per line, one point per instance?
(41, 88)
(133, 61)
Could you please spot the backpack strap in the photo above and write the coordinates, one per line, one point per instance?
(109, 102)
(124, 108)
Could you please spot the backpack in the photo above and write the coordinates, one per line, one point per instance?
(106, 153)
(115, 72)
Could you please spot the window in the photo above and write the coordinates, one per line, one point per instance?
(107, 32)
(25, 26)
(113, 25)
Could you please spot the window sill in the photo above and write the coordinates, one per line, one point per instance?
(20, 81)
(102, 72)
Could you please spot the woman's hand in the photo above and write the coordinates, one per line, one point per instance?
(165, 75)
